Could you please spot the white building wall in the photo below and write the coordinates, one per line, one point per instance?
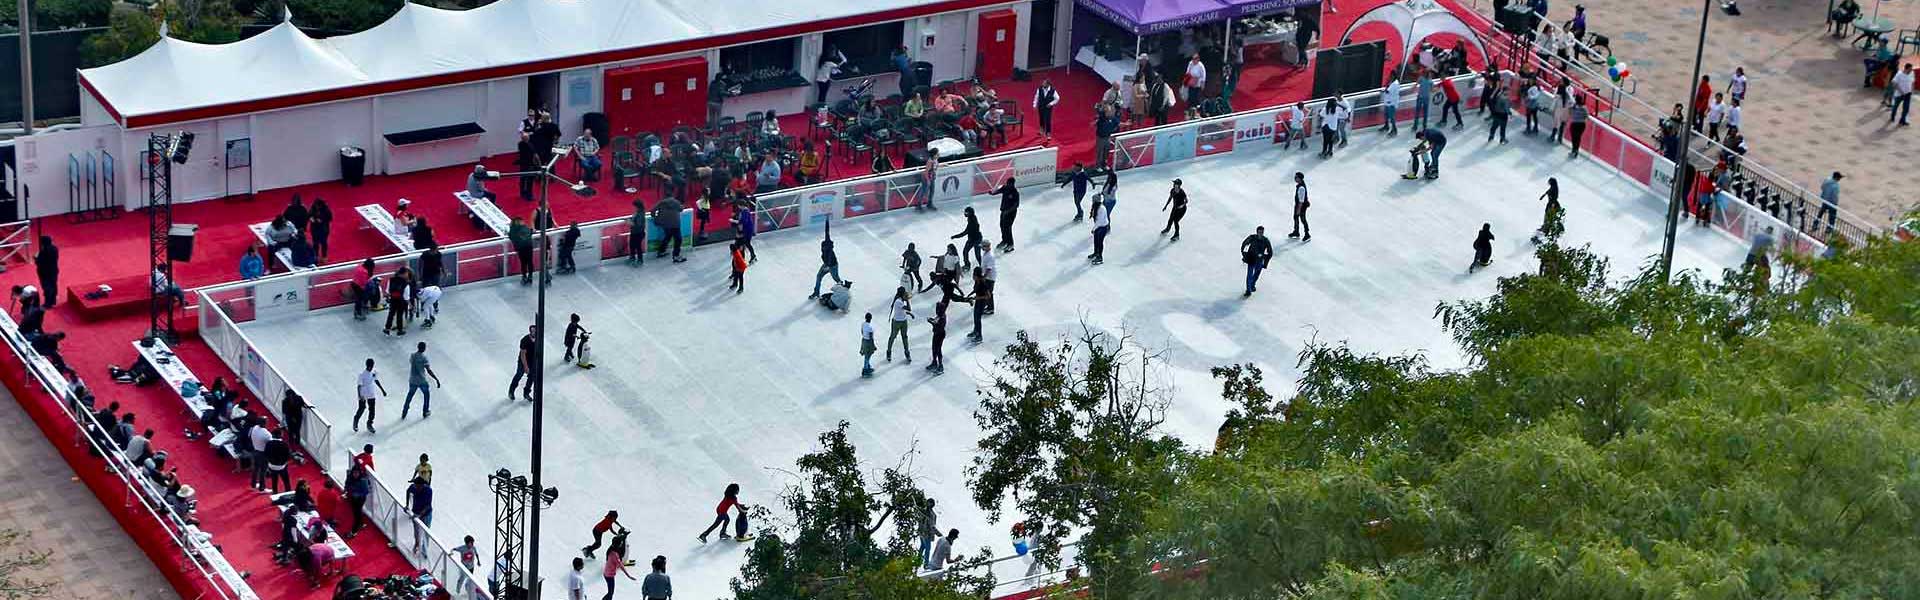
(91, 112)
(302, 145)
(579, 95)
(41, 164)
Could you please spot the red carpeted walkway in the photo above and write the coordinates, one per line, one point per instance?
(241, 520)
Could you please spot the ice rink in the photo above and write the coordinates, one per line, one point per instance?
(698, 387)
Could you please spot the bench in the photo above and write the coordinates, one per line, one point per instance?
(176, 374)
(488, 212)
(285, 255)
(129, 296)
(384, 224)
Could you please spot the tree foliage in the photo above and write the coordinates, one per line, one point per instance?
(59, 14)
(132, 30)
(1071, 440)
(15, 561)
(1629, 439)
(829, 550)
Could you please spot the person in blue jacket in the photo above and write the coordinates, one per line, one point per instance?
(251, 267)
(743, 222)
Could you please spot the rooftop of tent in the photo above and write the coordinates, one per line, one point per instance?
(421, 47)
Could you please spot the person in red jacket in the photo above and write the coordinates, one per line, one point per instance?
(1702, 98)
(738, 283)
(729, 500)
(1452, 105)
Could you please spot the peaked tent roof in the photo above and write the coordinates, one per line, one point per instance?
(1155, 16)
(420, 47)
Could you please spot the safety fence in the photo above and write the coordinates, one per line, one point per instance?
(1603, 142)
(1756, 188)
(195, 546)
(16, 239)
(1018, 576)
(222, 307)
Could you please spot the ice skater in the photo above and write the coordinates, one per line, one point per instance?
(982, 301)
(1329, 127)
(910, 268)
(938, 322)
(569, 239)
(667, 214)
(572, 335)
(1501, 111)
(1177, 201)
(521, 236)
(1296, 126)
(1553, 223)
(1482, 248)
(745, 228)
(1436, 142)
(399, 294)
(867, 346)
(418, 370)
(1416, 156)
(523, 365)
(729, 501)
(368, 383)
(738, 281)
(1300, 204)
(606, 524)
(1101, 225)
(1009, 208)
(1080, 178)
(975, 240)
(1256, 251)
(1451, 105)
(945, 271)
(429, 305)
(829, 263)
(1109, 187)
(901, 312)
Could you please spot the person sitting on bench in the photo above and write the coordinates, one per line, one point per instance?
(477, 184)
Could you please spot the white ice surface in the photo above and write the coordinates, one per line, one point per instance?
(698, 387)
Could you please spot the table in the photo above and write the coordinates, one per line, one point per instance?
(918, 156)
(174, 372)
(200, 543)
(285, 255)
(1873, 31)
(382, 221)
(341, 551)
(1108, 70)
(488, 212)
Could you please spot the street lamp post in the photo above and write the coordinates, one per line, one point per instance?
(1678, 195)
(539, 374)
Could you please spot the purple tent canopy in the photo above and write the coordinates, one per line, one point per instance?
(1156, 16)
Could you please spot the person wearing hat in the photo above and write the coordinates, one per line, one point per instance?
(1177, 200)
(1829, 199)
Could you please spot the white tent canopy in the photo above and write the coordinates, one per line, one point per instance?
(420, 41)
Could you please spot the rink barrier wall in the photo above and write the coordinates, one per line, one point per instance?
(1016, 576)
(198, 568)
(223, 307)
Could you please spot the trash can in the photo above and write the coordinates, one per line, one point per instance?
(923, 74)
(180, 241)
(353, 164)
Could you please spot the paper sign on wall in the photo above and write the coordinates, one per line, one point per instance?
(659, 88)
(626, 94)
(693, 83)
(999, 35)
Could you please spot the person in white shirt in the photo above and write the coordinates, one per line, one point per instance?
(867, 347)
(368, 383)
(1733, 115)
(1196, 81)
(1902, 86)
(1044, 99)
(830, 62)
(1427, 60)
(1390, 102)
(576, 581)
(1716, 115)
(1329, 127)
(1297, 125)
(1739, 86)
(902, 313)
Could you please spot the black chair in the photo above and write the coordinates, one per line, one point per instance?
(1011, 117)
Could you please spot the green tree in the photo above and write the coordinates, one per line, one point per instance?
(15, 560)
(1072, 441)
(1633, 439)
(131, 31)
(830, 550)
(128, 32)
(59, 14)
(334, 17)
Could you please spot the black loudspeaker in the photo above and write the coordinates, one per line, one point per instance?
(1517, 20)
(180, 242)
(1348, 69)
(598, 123)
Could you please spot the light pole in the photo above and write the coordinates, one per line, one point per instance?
(547, 177)
(1678, 195)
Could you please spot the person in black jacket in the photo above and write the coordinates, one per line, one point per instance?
(1482, 248)
(278, 454)
(667, 214)
(1080, 179)
(47, 265)
(293, 414)
(829, 263)
(975, 241)
(297, 214)
(1176, 200)
(423, 235)
(320, 227)
(526, 159)
(1009, 208)
(1256, 251)
(568, 239)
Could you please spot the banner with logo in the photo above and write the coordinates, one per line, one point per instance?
(1255, 131)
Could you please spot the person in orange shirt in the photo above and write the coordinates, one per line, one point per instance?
(809, 164)
(738, 283)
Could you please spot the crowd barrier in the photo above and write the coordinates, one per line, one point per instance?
(1016, 576)
(16, 239)
(193, 544)
(222, 307)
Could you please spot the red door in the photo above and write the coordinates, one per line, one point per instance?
(997, 31)
(654, 97)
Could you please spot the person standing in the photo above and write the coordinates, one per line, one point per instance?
(365, 387)
(1300, 204)
(829, 66)
(901, 311)
(358, 488)
(616, 564)
(1423, 99)
(293, 414)
(1009, 208)
(829, 263)
(1177, 201)
(1577, 123)
(399, 295)
(666, 214)
(729, 500)
(1737, 88)
(1716, 116)
(1762, 249)
(523, 365)
(1196, 83)
(1902, 85)
(867, 347)
(576, 581)
(943, 549)
(417, 373)
(569, 238)
(1160, 100)
(1390, 105)
(521, 236)
(657, 586)
(1044, 100)
(910, 268)
(1256, 251)
(975, 240)
(278, 454)
(46, 264)
(469, 557)
(1482, 248)
(938, 323)
(928, 530)
(1329, 127)
(1552, 223)
(1102, 224)
(572, 335)
(982, 301)
(320, 227)
(420, 503)
(1829, 199)
(1080, 179)
(1502, 111)
(1702, 98)
(738, 281)
(1451, 105)
(745, 222)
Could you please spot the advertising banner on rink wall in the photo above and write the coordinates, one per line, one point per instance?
(814, 206)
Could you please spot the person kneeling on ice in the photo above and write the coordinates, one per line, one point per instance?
(839, 297)
(1438, 142)
(1482, 248)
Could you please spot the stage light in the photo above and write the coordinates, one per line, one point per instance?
(551, 495)
(182, 147)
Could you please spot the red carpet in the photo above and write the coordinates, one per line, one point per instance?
(241, 520)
